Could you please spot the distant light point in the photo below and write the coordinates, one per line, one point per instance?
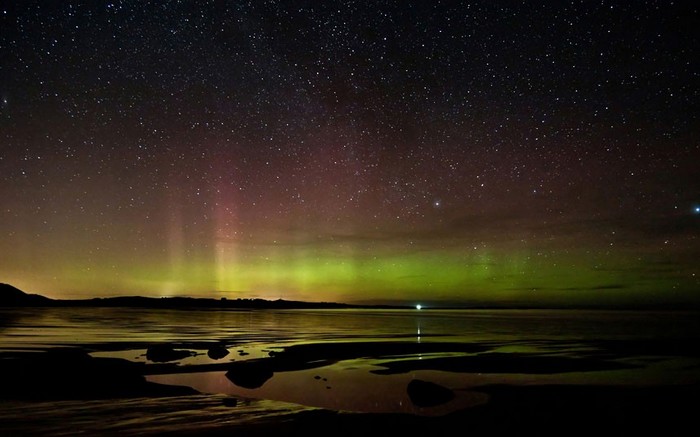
(419, 306)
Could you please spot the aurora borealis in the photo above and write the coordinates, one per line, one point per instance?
(485, 152)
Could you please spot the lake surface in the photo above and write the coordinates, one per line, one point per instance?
(358, 360)
(39, 327)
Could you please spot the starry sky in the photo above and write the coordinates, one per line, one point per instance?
(443, 152)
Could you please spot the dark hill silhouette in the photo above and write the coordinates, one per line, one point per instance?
(191, 302)
(14, 297)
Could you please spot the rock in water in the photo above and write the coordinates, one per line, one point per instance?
(428, 394)
(249, 374)
(230, 402)
(217, 352)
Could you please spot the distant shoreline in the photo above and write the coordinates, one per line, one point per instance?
(11, 296)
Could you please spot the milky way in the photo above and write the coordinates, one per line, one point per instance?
(444, 152)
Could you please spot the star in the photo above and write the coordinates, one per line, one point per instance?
(367, 158)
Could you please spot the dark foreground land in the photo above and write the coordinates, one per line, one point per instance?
(69, 390)
(86, 393)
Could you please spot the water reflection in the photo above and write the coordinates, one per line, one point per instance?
(363, 360)
(46, 326)
(346, 387)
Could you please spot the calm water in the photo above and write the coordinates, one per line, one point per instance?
(102, 327)
(651, 348)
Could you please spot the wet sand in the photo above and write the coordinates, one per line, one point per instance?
(60, 390)
(551, 410)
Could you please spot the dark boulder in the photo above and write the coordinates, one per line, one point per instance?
(249, 374)
(230, 402)
(428, 394)
(217, 352)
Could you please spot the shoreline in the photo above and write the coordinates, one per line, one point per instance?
(538, 410)
(53, 387)
(184, 373)
(12, 297)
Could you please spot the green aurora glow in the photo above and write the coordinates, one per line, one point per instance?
(468, 153)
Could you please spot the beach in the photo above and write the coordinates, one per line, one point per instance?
(321, 372)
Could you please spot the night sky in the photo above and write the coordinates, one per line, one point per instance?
(442, 152)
